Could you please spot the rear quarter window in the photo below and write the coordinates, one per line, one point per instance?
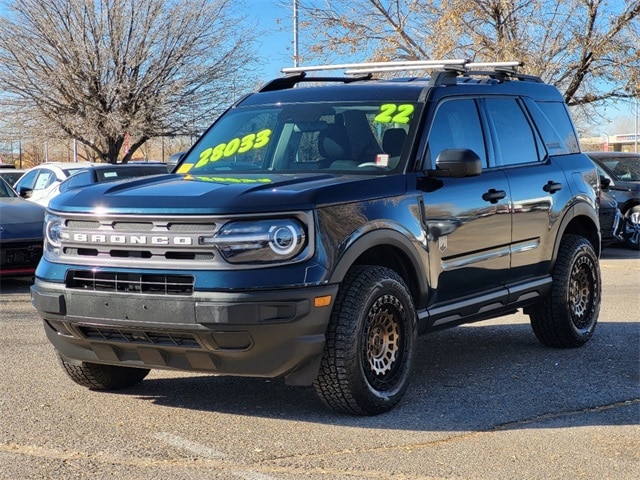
(556, 125)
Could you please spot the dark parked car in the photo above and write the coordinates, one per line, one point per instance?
(620, 177)
(101, 173)
(610, 220)
(11, 175)
(21, 234)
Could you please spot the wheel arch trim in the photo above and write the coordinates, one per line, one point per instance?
(580, 219)
(386, 238)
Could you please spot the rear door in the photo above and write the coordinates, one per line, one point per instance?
(538, 187)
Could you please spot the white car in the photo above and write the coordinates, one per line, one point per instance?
(38, 184)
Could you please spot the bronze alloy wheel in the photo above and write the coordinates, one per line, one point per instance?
(582, 287)
(370, 343)
(382, 336)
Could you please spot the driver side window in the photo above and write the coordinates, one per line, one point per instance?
(456, 124)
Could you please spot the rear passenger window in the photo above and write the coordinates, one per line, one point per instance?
(516, 140)
(551, 137)
(456, 125)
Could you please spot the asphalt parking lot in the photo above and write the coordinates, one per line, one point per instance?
(487, 401)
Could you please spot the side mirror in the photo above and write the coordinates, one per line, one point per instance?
(174, 160)
(25, 192)
(604, 182)
(457, 163)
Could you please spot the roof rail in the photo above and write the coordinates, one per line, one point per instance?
(446, 71)
(292, 79)
(459, 64)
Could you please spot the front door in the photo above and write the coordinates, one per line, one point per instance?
(468, 219)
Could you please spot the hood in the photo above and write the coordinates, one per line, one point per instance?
(187, 194)
(20, 219)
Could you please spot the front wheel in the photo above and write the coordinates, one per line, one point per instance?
(631, 228)
(97, 376)
(370, 343)
(568, 316)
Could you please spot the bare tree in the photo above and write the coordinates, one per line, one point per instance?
(112, 72)
(588, 48)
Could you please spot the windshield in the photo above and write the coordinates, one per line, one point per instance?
(625, 168)
(72, 171)
(5, 190)
(311, 137)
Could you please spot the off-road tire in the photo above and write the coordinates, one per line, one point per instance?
(370, 343)
(103, 377)
(568, 316)
(631, 228)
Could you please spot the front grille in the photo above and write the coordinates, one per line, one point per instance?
(173, 242)
(130, 282)
(140, 337)
(162, 242)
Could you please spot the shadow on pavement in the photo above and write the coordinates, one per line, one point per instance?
(479, 377)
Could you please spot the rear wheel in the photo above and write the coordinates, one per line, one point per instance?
(568, 316)
(103, 377)
(370, 343)
(631, 228)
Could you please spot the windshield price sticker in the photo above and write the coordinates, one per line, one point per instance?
(392, 113)
(251, 141)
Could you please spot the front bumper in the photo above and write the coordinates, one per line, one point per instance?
(259, 333)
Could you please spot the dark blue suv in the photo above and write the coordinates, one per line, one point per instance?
(321, 224)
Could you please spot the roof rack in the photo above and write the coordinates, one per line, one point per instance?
(460, 64)
(372, 67)
(446, 71)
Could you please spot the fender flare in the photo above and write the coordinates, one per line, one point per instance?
(385, 237)
(580, 209)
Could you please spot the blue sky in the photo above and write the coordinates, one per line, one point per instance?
(275, 18)
(276, 47)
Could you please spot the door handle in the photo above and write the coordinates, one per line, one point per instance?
(552, 187)
(494, 195)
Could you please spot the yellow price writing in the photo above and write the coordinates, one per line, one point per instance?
(392, 113)
(227, 179)
(251, 141)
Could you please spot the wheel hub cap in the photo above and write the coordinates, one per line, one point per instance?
(632, 228)
(383, 339)
(582, 287)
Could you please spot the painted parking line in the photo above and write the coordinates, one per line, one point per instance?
(209, 453)
(193, 447)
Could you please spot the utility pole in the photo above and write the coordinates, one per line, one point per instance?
(295, 33)
(635, 137)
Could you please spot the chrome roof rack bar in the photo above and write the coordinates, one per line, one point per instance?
(436, 66)
(372, 66)
(460, 65)
(494, 65)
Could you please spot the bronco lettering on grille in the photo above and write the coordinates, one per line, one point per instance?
(120, 239)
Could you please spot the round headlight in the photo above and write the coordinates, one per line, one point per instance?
(260, 241)
(52, 230)
(283, 239)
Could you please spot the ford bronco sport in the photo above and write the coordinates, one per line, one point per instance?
(321, 224)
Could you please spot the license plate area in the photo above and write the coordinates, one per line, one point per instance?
(132, 308)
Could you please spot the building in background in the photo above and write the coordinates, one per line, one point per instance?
(624, 142)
